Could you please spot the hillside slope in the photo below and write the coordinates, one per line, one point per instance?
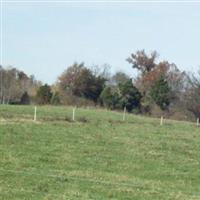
(97, 157)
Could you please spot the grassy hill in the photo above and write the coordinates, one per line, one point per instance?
(97, 157)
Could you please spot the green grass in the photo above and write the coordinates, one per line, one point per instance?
(97, 157)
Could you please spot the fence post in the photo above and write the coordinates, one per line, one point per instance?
(73, 114)
(35, 114)
(124, 114)
(197, 121)
(161, 120)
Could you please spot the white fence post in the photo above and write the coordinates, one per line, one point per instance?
(197, 121)
(35, 114)
(73, 114)
(124, 114)
(161, 120)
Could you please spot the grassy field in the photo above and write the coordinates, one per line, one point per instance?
(97, 157)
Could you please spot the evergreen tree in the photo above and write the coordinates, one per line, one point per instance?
(160, 93)
(44, 94)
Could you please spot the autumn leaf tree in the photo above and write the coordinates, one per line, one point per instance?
(143, 62)
(80, 81)
(151, 71)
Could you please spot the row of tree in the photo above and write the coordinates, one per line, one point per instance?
(158, 87)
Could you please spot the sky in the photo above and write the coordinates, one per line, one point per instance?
(44, 38)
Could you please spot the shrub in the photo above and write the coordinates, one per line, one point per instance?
(130, 96)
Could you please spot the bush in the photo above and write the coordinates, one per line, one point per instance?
(130, 96)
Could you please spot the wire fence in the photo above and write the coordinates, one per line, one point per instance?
(74, 114)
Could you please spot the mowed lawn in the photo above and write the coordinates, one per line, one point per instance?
(97, 157)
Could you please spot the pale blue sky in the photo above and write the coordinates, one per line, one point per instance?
(44, 38)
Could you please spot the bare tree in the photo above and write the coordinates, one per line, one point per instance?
(143, 62)
(192, 95)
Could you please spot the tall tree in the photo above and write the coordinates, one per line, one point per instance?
(143, 62)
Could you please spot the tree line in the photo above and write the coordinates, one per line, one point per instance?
(16, 87)
(159, 88)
